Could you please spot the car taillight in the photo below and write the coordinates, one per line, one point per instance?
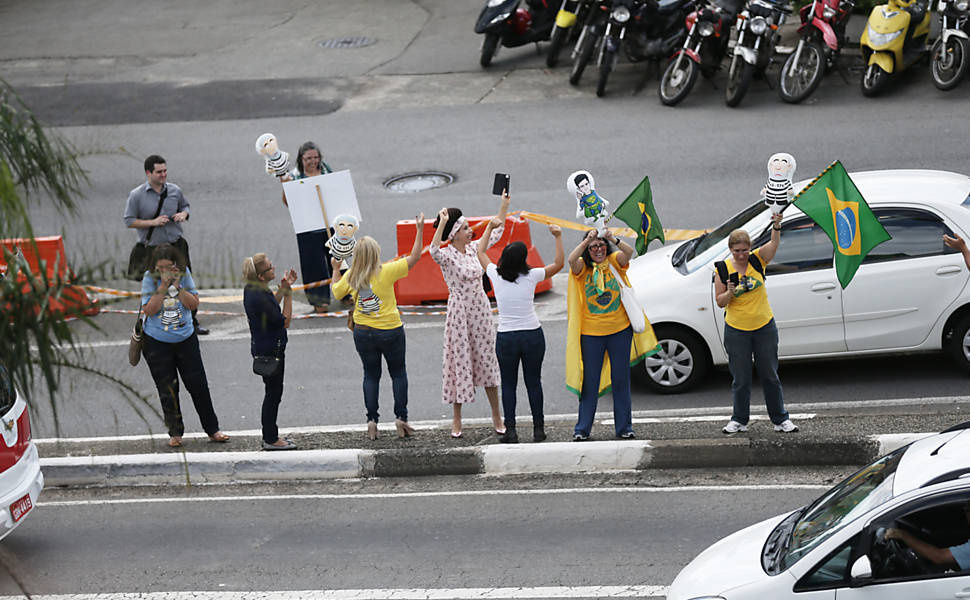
(9, 455)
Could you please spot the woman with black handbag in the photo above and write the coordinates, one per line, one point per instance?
(267, 326)
(171, 344)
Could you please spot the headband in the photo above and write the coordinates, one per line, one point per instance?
(454, 228)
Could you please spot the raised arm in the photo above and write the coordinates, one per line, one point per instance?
(503, 210)
(958, 243)
(442, 219)
(626, 250)
(576, 256)
(559, 261)
(286, 292)
(415, 255)
(768, 250)
(483, 241)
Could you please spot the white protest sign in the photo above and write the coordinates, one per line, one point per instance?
(314, 201)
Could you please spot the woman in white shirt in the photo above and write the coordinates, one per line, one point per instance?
(519, 337)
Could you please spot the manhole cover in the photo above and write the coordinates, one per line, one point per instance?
(418, 182)
(348, 42)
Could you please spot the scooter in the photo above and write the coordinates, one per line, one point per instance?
(949, 55)
(503, 21)
(893, 40)
(819, 48)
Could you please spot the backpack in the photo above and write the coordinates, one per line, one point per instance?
(753, 260)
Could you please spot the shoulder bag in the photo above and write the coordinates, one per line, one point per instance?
(140, 254)
(267, 366)
(628, 297)
(137, 339)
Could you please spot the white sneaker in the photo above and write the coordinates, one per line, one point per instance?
(785, 426)
(734, 427)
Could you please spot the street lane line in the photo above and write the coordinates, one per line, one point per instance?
(589, 591)
(456, 493)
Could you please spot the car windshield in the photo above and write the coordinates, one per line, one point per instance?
(7, 396)
(699, 251)
(868, 488)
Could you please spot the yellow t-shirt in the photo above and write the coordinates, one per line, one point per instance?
(376, 305)
(603, 313)
(748, 309)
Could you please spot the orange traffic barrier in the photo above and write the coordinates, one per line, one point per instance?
(47, 254)
(425, 283)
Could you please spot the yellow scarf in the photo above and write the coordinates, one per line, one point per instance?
(599, 275)
(643, 344)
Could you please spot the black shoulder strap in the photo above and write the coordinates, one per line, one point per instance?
(755, 262)
(722, 273)
(158, 211)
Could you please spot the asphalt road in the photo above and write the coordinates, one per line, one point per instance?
(198, 84)
(459, 533)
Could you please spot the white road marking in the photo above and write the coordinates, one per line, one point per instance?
(602, 591)
(412, 495)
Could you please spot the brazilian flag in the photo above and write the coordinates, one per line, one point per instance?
(834, 202)
(638, 213)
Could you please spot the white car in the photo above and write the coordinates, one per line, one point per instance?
(835, 549)
(21, 479)
(909, 295)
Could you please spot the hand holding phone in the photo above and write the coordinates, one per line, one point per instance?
(501, 184)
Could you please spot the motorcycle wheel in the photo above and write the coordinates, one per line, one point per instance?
(795, 87)
(949, 64)
(556, 43)
(609, 59)
(874, 80)
(740, 74)
(489, 48)
(582, 59)
(676, 82)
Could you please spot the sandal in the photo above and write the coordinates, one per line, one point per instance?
(175, 442)
(219, 437)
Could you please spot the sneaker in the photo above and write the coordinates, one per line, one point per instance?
(627, 435)
(786, 426)
(734, 427)
(579, 437)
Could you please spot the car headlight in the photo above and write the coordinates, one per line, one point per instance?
(500, 18)
(962, 6)
(705, 28)
(881, 39)
(828, 12)
(621, 14)
(758, 25)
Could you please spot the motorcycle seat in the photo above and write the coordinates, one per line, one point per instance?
(916, 12)
(669, 6)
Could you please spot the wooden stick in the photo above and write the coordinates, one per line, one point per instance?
(326, 221)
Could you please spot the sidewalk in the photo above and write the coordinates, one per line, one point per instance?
(827, 437)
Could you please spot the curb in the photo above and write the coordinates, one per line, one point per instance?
(196, 468)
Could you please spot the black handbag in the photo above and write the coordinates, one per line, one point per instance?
(140, 254)
(266, 366)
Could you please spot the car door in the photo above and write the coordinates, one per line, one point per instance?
(904, 284)
(803, 291)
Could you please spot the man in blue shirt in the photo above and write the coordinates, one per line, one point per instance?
(954, 556)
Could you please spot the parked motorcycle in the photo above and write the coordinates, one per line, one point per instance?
(819, 48)
(893, 40)
(504, 22)
(754, 49)
(708, 30)
(570, 20)
(949, 55)
(590, 38)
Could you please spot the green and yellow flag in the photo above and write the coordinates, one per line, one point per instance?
(638, 213)
(834, 202)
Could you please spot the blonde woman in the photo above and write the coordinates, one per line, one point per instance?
(267, 327)
(378, 330)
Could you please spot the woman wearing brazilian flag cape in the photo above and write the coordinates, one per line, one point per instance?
(599, 326)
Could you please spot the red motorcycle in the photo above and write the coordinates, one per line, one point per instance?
(706, 44)
(822, 38)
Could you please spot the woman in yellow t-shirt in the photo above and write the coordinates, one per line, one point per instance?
(378, 330)
(749, 328)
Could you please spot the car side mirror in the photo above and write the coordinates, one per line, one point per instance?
(861, 571)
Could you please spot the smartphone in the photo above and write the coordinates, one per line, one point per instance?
(734, 278)
(501, 184)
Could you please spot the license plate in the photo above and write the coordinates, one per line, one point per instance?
(20, 508)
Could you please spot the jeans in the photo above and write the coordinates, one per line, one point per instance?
(593, 348)
(763, 343)
(167, 362)
(371, 344)
(272, 396)
(529, 348)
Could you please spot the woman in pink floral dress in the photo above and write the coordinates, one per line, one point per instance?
(468, 358)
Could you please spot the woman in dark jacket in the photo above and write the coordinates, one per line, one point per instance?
(267, 326)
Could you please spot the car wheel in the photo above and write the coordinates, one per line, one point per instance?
(679, 365)
(958, 343)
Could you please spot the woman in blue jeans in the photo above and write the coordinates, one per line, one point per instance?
(378, 330)
(267, 328)
(749, 327)
(519, 337)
